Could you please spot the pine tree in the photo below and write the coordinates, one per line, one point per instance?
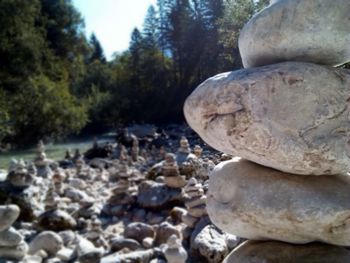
(97, 50)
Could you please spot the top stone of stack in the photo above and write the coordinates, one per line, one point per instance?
(297, 30)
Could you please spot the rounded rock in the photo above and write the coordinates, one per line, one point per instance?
(8, 215)
(48, 241)
(10, 238)
(276, 252)
(290, 116)
(256, 202)
(297, 30)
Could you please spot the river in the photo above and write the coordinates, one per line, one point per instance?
(55, 151)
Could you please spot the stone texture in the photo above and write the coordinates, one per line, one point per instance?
(8, 215)
(139, 231)
(14, 253)
(277, 252)
(256, 202)
(158, 196)
(10, 238)
(48, 241)
(164, 231)
(290, 116)
(297, 30)
(210, 244)
(174, 252)
(119, 243)
(56, 220)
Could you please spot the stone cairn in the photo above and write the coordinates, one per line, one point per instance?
(292, 116)
(42, 164)
(174, 251)
(170, 170)
(12, 245)
(121, 194)
(20, 174)
(135, 150)
(195, 203)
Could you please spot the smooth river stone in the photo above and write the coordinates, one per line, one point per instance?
(290, 116)
(260, 203)
(297, 30)
(279, 252)
(8, 215)
(10, 238)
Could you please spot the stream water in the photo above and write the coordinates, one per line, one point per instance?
(55, 151)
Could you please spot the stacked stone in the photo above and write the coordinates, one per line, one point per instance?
(12, 245)
(174, 251)
(20, 174)
(291, 116)
(51, 198)
(170, 170)
(121, 194)
(41, 162)
(195, 203)
(135, 150)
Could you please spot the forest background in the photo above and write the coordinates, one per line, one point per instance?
(54, 81)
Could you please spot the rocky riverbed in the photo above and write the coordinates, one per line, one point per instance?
(140, 198)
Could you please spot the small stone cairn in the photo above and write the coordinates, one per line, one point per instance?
(12, 245)
(135, 150)
(170, 170)
(121, 194)
(195, 203)
(292, 116)
(42, 164)
(174, 251)
(20, 174)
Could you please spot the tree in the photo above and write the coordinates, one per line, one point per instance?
(236, 15)
(41, 47)
(97, 50)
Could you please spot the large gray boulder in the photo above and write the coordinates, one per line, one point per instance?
(290, 116)
(277, 252)
(256, 202)
(297, 30)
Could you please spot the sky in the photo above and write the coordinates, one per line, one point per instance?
(112, 21)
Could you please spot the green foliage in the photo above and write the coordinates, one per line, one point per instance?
(54, 82)
(45, 108)
(41, 50)
(236, 15)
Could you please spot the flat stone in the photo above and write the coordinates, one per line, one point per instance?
(196, 202)
(139, 231)
(158, 195)
(56, 220)
(14, 253)
(189, 220)
(290, 116)
(10, 238)
(135, 256)
(198, 211)
(175, 181)
(119, 243)
(277, 252)
(256, 202)
(48, 241)
(65, 254)
(297, 30)
(8, 215)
